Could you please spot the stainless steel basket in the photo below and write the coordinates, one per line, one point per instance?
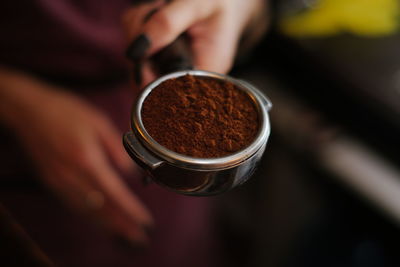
(197, 176)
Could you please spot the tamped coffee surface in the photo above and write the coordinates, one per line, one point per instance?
(200, 117)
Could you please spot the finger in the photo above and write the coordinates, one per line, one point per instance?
(117, 223)
(80, 195)
(122, 197)
(106, 180)
(148, 74)
(61, 181)
(214, 46)
(111, 139)
(133, 18)
(173, 19)
(93, 162)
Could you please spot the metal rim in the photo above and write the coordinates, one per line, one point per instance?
(203, 163)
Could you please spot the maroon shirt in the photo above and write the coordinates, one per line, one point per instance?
(66, 40)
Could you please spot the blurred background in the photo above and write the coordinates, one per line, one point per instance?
(327, 192)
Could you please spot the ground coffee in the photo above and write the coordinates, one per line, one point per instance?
(200, 117)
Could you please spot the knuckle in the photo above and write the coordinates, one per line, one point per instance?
(164, 21)
(81, 154)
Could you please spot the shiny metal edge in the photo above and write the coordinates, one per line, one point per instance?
(204, 163)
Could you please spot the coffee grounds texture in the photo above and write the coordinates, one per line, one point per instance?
(200, 117)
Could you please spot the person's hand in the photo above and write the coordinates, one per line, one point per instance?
(77, 151)
(213, 26)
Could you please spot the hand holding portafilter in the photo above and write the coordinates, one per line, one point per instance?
(175, 56)
(178, 172)
(214, 29)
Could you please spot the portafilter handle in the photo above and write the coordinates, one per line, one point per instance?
(139, 153)
(175, 57)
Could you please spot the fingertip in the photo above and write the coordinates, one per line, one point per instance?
(139, 212)
(138, 48)
(147, 75)
(147, 221)
(214, 54)
(127, 165)
(213, 64)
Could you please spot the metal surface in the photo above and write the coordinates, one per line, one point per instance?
(197, 176)
(213, 163)
(136, 149)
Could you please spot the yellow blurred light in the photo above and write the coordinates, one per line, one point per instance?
(360, 17)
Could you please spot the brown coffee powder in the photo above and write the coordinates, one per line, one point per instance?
(200, 117)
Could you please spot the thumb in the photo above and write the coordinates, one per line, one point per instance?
(214, 49)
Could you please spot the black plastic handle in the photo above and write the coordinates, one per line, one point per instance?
(175, 57)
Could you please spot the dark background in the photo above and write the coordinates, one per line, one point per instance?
(296, 211)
